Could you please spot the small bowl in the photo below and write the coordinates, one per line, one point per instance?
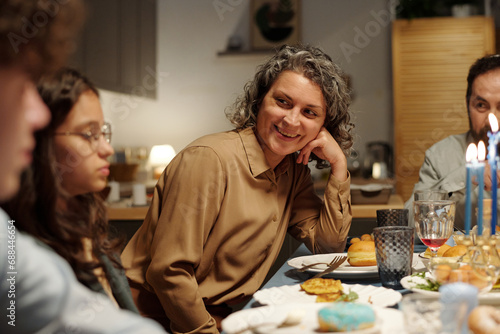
(447, 270)
(424, 259)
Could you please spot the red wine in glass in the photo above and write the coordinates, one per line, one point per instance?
(434, 222)
(434, 243)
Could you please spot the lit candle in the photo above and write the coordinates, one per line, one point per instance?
(492, 160)
(481, 155)
(470, 155)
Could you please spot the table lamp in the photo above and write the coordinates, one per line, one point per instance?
(159, 158)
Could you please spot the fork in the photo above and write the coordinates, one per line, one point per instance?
(336, 262)
(309, 266)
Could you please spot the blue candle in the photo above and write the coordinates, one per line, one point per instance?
(469, 156)
(481, 153)
(492, 160)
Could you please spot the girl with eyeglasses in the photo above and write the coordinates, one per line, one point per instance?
(59, 201)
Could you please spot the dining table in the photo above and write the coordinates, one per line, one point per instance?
(288, 276)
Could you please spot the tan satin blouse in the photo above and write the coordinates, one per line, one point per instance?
(217, 221)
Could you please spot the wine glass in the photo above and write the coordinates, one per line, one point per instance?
(434, 222)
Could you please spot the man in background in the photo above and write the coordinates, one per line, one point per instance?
(444, 164)
(38, 290)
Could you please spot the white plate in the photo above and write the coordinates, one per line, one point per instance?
(388, 320)
(410, 283)
(368, 294)
(345, 270)
(424, 256)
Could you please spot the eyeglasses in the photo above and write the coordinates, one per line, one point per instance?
(92, 136)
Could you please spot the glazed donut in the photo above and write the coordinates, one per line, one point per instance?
(484, 320)
(345, 317)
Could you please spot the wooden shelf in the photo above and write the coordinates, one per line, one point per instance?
(358, 210)
(127, 213)
(370, 210)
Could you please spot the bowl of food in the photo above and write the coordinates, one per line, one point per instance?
(447, 270)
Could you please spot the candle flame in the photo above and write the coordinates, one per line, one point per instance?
(481, 151)
(471, 153)
(493, 122)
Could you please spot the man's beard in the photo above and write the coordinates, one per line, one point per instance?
(481, 135)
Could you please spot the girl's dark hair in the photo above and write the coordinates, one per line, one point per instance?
(315, 65)
(37, 207)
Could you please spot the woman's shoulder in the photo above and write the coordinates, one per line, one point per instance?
(221, 143)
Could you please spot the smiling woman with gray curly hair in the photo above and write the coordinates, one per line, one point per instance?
(223, 206)
(315, 65)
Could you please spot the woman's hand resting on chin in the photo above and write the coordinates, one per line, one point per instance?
(326, 148)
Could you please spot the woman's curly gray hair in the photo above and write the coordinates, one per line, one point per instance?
(315, 65)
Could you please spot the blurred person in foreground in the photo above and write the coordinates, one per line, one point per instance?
(59, 201)
(39, 292)
(222, 207)
(444, 164)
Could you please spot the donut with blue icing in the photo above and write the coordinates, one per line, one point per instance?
(345, 317)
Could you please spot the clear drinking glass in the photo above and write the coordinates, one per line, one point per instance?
(425, 314)
(434, 222)
(430, 195)
(392, 217)
(422, 313)
(394, 252)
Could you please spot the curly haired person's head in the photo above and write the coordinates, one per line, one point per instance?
(38, 36)
(315, 65)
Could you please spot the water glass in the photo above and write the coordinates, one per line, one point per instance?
(392, 217)
(430, 195)
(422, 313)
(394, 252)
(458, 300)
(426, 314)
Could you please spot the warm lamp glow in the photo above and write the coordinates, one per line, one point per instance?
(481, 151)
(376, 170)
(160, 157)
(471, 153)
(493, 122)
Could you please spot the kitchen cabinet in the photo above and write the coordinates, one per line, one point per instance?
(117, 49)
(431, 59)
